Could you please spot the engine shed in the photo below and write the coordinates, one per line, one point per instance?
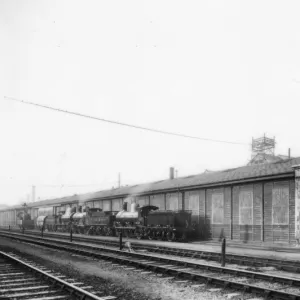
(256, 203)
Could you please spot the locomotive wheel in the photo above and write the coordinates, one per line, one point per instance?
(146, 233)
(107, 231)
(151, 235)
(184, 237)
(139, 234)
(171, 236)
(158, 235)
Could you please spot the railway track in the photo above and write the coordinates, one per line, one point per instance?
(244, 260)
(21, 279)
(270, 286)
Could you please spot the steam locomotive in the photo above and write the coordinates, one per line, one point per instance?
(24, 220)
(139, 222)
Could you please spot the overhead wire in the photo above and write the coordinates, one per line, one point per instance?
(124, 124)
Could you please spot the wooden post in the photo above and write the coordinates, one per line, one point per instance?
(223, 254)
(121, 243)
(71, 233)
(9, 227)
(42, 232)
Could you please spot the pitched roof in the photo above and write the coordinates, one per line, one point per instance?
(263, 158)
(241, 174)
(224, 176)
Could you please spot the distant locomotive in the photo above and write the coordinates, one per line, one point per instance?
(61, 222)
(139, 222)
(148, 222)
(134, 222)
(93, 221)
(24, 220)
(50, 223)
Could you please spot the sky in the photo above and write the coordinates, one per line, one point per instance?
(223, 70)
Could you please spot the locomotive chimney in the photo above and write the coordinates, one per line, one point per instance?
(172, 173)
(289, 152)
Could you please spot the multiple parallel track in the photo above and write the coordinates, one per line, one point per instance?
(20, 279)
(284, 265)
(277, 287)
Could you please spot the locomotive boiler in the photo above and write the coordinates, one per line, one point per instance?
(48, 223)
(133, 223)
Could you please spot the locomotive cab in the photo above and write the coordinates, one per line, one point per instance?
(133, 222)
(24, 220)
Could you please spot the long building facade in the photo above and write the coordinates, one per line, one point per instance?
(257, 203)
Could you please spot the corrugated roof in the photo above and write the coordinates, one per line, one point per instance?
(225, 176)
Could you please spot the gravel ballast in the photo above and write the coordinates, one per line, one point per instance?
(116, 280)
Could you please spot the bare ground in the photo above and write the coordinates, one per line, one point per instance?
(117, 280)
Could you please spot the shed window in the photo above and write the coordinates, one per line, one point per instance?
(90, 204)
(98, 204)
(158, 200)
(246, 207)
(106, 205)
(192, 202)
(217, 208)
(117, 204)
(172, 201)
(142, 200)
(280, 205)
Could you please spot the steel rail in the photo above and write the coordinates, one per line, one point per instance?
(122, 257)
(64, 285)
(286, 265)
